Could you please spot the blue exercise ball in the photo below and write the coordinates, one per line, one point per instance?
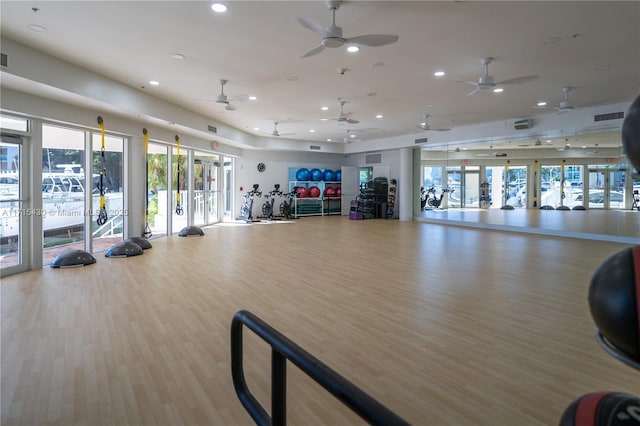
(316, 174)
(302, 174)
(338, 175)
(329, 175)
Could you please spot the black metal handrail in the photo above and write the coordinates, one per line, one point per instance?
(282, 349)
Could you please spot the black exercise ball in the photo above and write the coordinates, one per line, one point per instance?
(631, 133)
(603, 409)
(614, 299)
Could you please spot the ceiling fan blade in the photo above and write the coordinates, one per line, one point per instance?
(313, 52)
(472, 83)
(312, 25)
(230, 107)
(238, 98)
(474, 91)
(520, 80)
(352, 121)
(440, 130)
(373, 40)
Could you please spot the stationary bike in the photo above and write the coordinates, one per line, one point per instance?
(285, 206)
(247, 206)
(423, 198)
(267, 207)
(432, 199)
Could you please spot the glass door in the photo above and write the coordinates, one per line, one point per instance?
(13, 211)
(454, 184)
(472, 186)
(606, 188)
(211, 192)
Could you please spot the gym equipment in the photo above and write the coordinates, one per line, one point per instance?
(602, 408)
(191, 231)
(285, 206)
(432, 200)
(329, 192)
(267, 207)
(72, 259)
(316, 175)
(614, 301)
(329, 175)
(391, 201)
(302, 192)
(179, 209)
(636, 200)
(339, 191)
(141, 241)
(146, 231)
(535, 183)
(631, 134)
(314, 192)
(302, 174)
(506, 206)
(102, 215)
(124, 249)
(246, 211)
(338, 175)
(423, 198)
(485, 203)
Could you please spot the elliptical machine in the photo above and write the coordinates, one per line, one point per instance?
(285, 206)
(423, 198)
(247, 206)
(267, 207)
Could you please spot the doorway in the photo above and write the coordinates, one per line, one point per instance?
(606, 188)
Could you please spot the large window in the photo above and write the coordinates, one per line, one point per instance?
(63, 190)
(158, 196)
(12, 212)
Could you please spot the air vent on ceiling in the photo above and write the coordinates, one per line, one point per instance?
(212, 129)
(609, 116)
(4, 60)
(314, 147)
(501, 154)
(523, 124)
(373, 158)
(422, 140)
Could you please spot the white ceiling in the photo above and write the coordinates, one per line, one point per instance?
(257, 46)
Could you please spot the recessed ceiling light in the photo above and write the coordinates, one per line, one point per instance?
(154, 82)
(424, 123)
(325, 108)
(541, 103)
(439, 73)
(252, 98)
(353, 49)
(324, 119)
(311, 131)
(498, 90)
(379, 116)
(219, 7)
(351, 135)
(256, 128)
(292, 78)
(37, 28)
(178, 56)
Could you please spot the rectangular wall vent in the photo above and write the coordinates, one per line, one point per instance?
(609, 116)
(373, 158)
(314, 147)
(212, 129)
(4, 60)
(422, 140)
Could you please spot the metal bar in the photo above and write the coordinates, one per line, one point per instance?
(278, 389)
(349, 394)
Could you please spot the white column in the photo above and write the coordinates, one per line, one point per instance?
(405, 185)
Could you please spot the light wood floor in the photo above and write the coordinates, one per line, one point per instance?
(444, 325)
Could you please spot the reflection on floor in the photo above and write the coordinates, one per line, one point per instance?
(606, 225)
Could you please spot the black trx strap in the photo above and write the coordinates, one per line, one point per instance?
(146, 232)
(102, 215)
(179, 210)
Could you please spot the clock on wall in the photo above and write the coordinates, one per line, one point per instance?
(261, 167)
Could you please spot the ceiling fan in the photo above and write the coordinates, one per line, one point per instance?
(276, 132)
(332, 35)
(486, 81)
(226, 100)
(566, 105)
(425, 126)
(344, 117)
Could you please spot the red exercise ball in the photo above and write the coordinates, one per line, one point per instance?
(314, 192)
(602, 409)
(631, 133)
(338, 192)
(329, 191)
(301, 192)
